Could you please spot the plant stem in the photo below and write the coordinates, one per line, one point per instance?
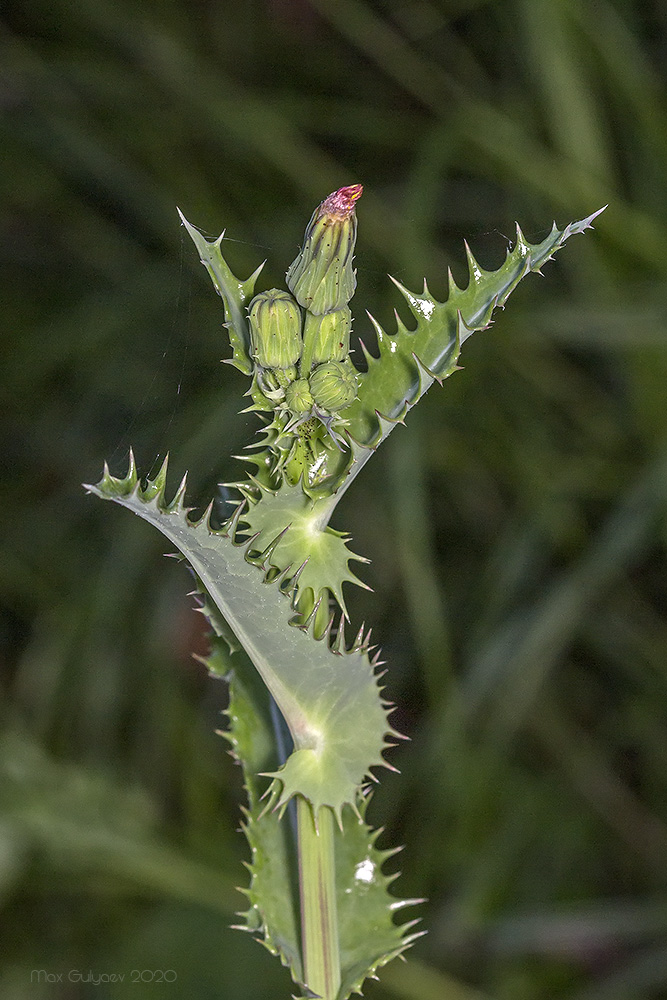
(319, 917)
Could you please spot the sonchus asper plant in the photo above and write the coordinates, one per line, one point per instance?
(307, 719)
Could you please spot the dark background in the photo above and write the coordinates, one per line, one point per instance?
(516, 526)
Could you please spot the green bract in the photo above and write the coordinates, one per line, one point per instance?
(275, 329)
(271, 578)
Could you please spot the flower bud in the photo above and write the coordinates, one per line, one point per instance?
(327, 337)
(322, 278)
(275, 329)
(333, 385)
(298, 396)
(285, 375)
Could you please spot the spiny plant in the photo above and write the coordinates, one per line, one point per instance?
(307, 719)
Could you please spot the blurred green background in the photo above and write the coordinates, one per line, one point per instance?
(516, 527)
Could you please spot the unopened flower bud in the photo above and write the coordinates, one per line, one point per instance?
(298, 396)
(285, 375)
(275, 329)
(322, 278)
(327, 337)
(333, 385)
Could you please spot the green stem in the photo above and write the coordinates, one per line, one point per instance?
(319, 917)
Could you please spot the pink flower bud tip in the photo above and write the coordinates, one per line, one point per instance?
(340, 204)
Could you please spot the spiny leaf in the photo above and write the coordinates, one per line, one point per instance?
(369, 937)
(329, 698)
(410, 360)
(317, 552)
(235, 294)
(273, 896)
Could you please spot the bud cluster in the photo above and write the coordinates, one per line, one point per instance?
(310, 328)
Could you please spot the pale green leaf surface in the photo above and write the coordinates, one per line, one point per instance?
(330, 700)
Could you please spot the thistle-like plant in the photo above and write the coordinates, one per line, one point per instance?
(306, 718)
